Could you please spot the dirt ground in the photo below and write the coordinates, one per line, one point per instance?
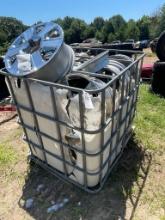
(125, 195)
(150, 58)
(131, 191)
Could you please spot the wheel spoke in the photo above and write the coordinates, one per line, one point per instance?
(14, 50)
(37, 60)
(46, 29)
(52, 43)
(14, 67)
(27, 35)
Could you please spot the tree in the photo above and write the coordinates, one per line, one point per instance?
(119, 26)
(98, 23)
(111, 37)
(10, 28)
(161, 26)
(59, 21)
(99, 36)
(106, 30)
(144, 27)
(132, 30)
(89, 32)
(117, 22)
(74, 33)
(3, 37)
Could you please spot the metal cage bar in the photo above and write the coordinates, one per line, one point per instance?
(117, 120)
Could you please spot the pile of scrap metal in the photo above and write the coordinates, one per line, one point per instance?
(129, 44)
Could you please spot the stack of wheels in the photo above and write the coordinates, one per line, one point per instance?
(118, 63)
(92, 123)
(158, 80)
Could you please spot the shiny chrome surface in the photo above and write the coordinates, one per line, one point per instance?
(40, 48)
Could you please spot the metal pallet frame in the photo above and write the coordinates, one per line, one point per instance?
(124, 139)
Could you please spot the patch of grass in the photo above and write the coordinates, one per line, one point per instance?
(150, 54)
(77, 212)
(150, 121)
(7, 155)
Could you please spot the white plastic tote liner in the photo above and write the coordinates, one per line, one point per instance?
(42, 103)
(92, 122)
(49, 127)
(121, 61)
(92, 145)
(92, 104)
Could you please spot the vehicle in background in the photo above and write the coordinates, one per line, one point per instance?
(129, 44)
(130, 41)
(137, 44)
(144, 44)
(92, 41)
(116, 42)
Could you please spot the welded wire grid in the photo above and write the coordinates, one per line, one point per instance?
(120, 124)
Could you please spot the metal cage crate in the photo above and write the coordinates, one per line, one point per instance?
(73, 151)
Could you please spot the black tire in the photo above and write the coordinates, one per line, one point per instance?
(3, 88)
(160, 47)
(158, 78)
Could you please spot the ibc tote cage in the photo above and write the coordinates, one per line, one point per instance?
(127, 101)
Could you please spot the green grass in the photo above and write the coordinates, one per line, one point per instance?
(150, 119)
(151, 54)
(7, 155)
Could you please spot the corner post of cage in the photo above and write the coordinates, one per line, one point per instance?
(81, 107)
(18, 110)
(113, 117)
(103, 100)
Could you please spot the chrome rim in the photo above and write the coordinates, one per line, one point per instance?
(41, 42)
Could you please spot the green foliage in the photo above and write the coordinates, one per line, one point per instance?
(10, 28)
(7, 154)
(150, 120)
(154, 25)
(111, 37)
(106, 30)
(89, 32)
(132, 30)
(144, 27)
(99, 35)
(3, 37)
(117, 22)
(76, 30)
(98, 23)
(161, 18)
